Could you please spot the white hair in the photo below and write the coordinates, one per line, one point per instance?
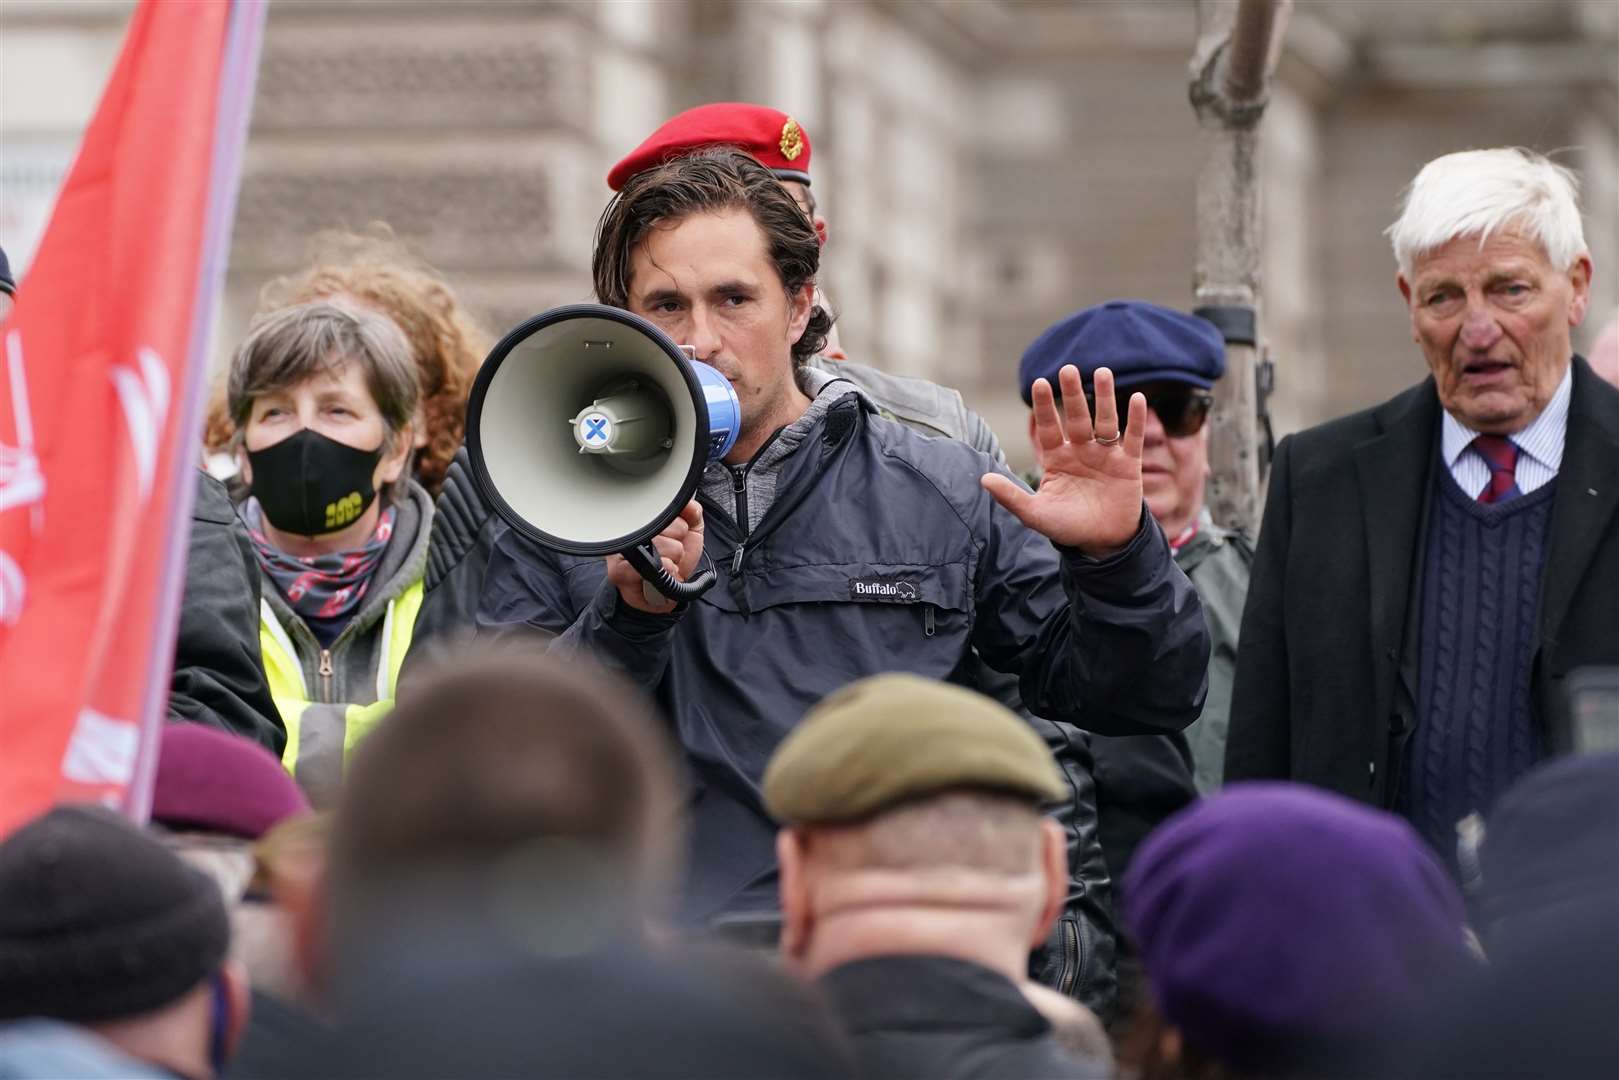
(1479, 192)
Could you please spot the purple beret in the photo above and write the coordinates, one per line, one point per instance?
(1282, 925)
(214, 781)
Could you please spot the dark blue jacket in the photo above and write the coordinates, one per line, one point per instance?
(1117, 646)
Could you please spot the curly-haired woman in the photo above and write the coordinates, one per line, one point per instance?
(375, 268)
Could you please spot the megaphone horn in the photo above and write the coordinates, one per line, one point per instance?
(589, 429)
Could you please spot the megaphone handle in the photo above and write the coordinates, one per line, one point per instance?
(660, 585)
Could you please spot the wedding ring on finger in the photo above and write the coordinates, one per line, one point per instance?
(1114, 441)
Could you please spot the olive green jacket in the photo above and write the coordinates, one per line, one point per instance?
(1217, 560)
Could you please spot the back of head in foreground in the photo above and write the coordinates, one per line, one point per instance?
(917, 872)
(1286, 931)
(505, 840)
(509, 767)
(909, 807)
(104, 929)
(1549, 918)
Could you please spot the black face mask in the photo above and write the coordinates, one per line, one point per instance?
(310, 484)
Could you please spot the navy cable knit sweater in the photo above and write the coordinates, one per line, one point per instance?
(1477, 731)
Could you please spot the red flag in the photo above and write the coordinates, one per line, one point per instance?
(102, 368)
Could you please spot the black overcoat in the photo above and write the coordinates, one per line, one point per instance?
(1326, 669)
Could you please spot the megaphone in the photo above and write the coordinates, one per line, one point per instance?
(588, 430)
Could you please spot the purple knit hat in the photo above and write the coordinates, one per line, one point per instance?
(1282, 925)
(214, 781)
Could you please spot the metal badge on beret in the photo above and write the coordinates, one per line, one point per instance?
(792, 140)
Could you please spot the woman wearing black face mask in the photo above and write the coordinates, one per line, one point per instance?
(322, 396)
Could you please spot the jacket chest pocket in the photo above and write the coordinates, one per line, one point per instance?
(860, 617)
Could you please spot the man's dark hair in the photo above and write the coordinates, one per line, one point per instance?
(491, 756)
(706, 182)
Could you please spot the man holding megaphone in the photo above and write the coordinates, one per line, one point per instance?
(839, 543)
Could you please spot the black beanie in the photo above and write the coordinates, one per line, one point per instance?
(98, 920)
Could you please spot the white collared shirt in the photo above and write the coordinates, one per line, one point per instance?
(1540, 446)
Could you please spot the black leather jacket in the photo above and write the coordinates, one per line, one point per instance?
(218, 675)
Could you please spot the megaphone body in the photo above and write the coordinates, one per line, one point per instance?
(588, 430)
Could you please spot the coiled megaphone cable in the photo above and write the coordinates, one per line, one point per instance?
(659, 584)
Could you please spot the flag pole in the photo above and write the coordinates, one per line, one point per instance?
(237, 79)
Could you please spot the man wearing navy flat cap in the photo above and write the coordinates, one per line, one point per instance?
(1174, 360)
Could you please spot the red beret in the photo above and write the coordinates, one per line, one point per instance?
(771, 136)
(214, 781)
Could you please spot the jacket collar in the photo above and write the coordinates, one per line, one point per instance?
(928, 993)
(1208, 539)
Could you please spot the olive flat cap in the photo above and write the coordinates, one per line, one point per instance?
(892, 738)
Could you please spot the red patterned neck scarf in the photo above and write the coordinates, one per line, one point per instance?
(320, 587)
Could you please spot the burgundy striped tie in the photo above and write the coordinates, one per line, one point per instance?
(1501, 455)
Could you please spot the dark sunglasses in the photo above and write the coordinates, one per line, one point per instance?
(1181, 409)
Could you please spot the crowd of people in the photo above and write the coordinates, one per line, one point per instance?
(951, 774)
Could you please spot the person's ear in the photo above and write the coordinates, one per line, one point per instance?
(1170, 1045)
(1405, 294)
(392, 466)
(1054, 870)
(801, 305)
(239, 1000)
(418, 424)
(1579, 277)
(820, 228)
(796, 917)
(304, 900)
(244, 467)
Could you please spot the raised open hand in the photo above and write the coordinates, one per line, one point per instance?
(1090, 489)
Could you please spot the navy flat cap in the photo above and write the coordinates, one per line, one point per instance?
(1139, 342)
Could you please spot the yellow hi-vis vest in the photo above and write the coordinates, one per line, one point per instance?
(321, 734)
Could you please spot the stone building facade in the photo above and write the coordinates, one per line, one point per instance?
(986, 165)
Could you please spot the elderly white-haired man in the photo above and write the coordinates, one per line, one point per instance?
(1430, 571)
